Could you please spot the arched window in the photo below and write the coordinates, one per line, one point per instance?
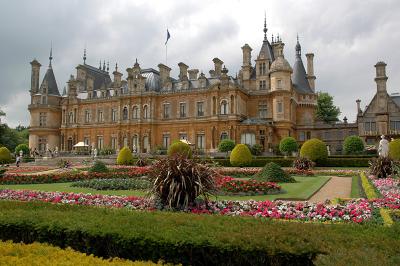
(135, 143)
(125, 113)
(214, 105)
(135, 112)
(145, 112)
(224, 107)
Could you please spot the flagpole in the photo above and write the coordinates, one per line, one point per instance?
(166, 54)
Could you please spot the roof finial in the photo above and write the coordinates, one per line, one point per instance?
(272, 38)
(104, 65)
(84, 55)
(298, 47)
(116, 67)
(100, 65)
(108, 66)
(51, 53)
(265, 25)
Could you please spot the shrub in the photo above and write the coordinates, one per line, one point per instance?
(256, 149)
(381, 167)
(303, 163)
(272, 172)
(180, 148)
(141, 161)
(125, 156)
(353, 145)
(107, 151)
(394, 149)
(178, 181)
(288, 145)
(315, 150)
(24, 148)
(114, 184)
(98, 167)
(240, 156)
(226, 145)
(5, 155)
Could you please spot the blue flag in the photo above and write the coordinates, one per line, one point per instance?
(168, 36)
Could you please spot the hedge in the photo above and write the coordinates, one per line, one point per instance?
(369, 189)
(197, 239)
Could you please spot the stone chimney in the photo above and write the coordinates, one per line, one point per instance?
(246, 67)
(381, 77)
(358, 101)
(310, 70)
(164, 73)
(183, 69)
(35, 76)
(193, 73)
(117, 77)
(217, 66)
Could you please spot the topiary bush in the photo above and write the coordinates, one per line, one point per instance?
(315, 150)
(180, 148)
(125, 156)
(226, 145)
(24, 148)
(240, 156)
(5, 155)
(353, 145)
(394, 149)
(98, 167)
(272, 172)
(303, 163)
(256, 149)
(178, 181)
(288, 145)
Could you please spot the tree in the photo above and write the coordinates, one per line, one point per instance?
(353, 145)
(288, 145)
(226, 145)
(326, 111)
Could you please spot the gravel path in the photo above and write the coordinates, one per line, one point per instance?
(337, 187)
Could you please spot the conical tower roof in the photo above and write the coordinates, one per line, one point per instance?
(299, 76)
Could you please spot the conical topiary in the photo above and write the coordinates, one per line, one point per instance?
(272, 172)
(5, 155)
(125, 156)
(241, 156)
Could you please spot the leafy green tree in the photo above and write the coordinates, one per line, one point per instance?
(326, 110)
(353, 145)
(226, 145)
(288, 145)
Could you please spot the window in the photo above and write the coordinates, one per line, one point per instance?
(262, 69)
(248, 138)
(125, 141)
(71, 118)
(166, 140)
(86, 140)
(100, 142)
(327, 135)
(42, 144)
(182, 110)
(167, 110)
(201, 141)
(280, 107)
(395, 125)
(87, 116)
(200, 111)
(224, 107)
(100, 116)
(135, 112)
(263, 85)
(145, 112)
(114, 143)
(369, 126)
(135, 143)
(114, 115)
(262, 109)
(42, 119)
(279, 84)
(183, 136)
(302, 136)
(125, 113)
(224, 135)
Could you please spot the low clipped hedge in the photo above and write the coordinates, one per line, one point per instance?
(114, 184)
(46, 255)
(192, 239)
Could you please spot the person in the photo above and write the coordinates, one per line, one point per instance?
(383, 147)
(18, 161)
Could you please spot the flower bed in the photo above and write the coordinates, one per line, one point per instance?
(389, 188)
(68, 177)
(356, 211)
(250, 171)
(231, 186)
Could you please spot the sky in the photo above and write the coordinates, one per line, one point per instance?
(348, 37)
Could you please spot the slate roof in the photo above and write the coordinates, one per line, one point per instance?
(396, 99)
(266, 49)
(299, 76)
(52, 87)
(101, 78)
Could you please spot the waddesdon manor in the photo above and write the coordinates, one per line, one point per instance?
(269, 99)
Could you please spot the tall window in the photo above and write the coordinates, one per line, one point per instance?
(100, 117)
(87, 116)
(200, 110)
(262, 109)
(100, 142)
(395, 125)
(370, 126)
(263, 85)
(262, 69)
(125, 113)
(166, 140)
(167, 110)
(280, 107)
(279, 84)
(224, 135)
(224, 107)
(42, 119)
(201, 141)
(135, 112)
(114, 143)
(146, 112)
(114, 115)
(135, 142)
(182, 110)
(86, 140)
(71, 118)
(248, 138)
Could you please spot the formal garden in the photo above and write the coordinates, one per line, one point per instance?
(182, 208)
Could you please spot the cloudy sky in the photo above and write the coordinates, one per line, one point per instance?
(347, 36)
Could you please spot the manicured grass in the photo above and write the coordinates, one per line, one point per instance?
(355, 188)
(305, 187)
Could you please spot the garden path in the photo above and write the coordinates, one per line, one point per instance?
(337, 187)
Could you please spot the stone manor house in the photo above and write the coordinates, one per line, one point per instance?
(268, 100)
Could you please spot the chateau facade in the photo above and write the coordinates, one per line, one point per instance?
(268, 100)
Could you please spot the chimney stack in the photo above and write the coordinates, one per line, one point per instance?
(217, 66)
(246, 49)
(193, 73)
(164, 73)
(35, 76)
(381, 77)
(358, 101)
(117, 77)
(183, 69)
(310, 70)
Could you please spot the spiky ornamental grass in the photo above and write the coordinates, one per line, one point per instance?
(382, 167)
(178, 181)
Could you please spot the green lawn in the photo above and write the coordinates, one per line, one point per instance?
(355, 188)
(302, 190)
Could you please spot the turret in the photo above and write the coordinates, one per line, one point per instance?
(117, 77)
